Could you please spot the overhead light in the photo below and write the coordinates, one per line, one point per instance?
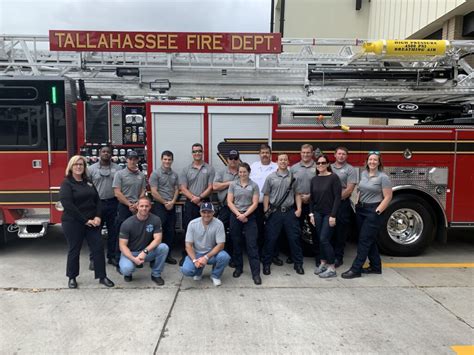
(127, 72)
(160, 85)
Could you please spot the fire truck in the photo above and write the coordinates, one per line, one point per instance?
(414, 106)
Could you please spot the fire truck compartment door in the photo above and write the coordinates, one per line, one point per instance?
(238, 127)
(463, 179)
(176, 128)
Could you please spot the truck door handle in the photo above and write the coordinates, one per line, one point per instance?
(36, 164)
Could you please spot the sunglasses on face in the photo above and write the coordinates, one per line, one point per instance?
(233, 158)
(197, 151)
(321, 163)
(376, 152)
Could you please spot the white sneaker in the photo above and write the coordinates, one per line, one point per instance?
(320, 269)
(216, 282)
(197, 277)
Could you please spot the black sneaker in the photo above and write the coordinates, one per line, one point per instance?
(128, 278)
(158, 280)
(112, 261)
(170, 260)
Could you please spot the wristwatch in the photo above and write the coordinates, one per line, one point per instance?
(146, 251)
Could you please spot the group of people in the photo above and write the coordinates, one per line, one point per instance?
(256, 203)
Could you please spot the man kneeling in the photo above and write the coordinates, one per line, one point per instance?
(205, 239)
(140, 241)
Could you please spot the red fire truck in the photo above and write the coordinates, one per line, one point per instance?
(419, 117)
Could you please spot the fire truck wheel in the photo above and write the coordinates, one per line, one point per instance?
(407, 227)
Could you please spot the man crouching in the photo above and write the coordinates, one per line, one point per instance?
(205, 239)
(140, 241)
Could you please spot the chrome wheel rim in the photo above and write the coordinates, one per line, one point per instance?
(405, 226)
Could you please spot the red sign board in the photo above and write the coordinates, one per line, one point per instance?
(187, 42)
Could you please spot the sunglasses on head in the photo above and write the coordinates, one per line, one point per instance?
(376, 152)
(197, 151)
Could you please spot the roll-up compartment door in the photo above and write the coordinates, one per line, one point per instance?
(238, 127)
(176, 128)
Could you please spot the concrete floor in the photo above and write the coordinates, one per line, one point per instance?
(404, 310)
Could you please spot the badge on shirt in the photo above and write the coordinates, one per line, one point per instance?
(149, 228)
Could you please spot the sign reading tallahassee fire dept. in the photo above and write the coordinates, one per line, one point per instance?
(187, 42)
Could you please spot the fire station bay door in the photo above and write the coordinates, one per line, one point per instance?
(176, 128)
(238, 127)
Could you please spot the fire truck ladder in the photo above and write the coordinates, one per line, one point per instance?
(321, 60)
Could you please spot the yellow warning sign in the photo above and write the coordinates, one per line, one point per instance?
(407, 47)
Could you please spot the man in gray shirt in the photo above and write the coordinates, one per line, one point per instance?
(221, 184)
(140, 241)
(195, 183)
(164, 189)
(102, 175)
(129, 186)
(205, 239)
(285, 216)
(348, 176)
(304, 171)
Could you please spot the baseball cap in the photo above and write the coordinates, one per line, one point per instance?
(234, 154)
(132, 154)
(207, 206)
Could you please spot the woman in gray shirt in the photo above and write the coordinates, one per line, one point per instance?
(242, 200)
(375, 193)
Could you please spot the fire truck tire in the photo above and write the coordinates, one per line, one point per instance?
(407, 227)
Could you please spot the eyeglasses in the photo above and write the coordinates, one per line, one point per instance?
(321, 163)
(197, 151)
(77, 164)
(376, 152)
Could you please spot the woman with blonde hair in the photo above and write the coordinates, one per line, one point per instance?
(81, 220)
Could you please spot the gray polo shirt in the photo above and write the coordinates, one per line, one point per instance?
(224, 175)
(346, 173)
(166, 182)
(370, 187)
(130, 183)
(103, 176)
(197, 180)
(243, 195)
(140, 233)
(205, 238)
(276, 185)
(304, 174)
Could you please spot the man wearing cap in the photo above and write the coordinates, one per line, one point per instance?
(221, 184)
(102, 175)
(259, 171)
(165, 190)
(195, 183)
(129, 185)
(348, 176)
(140, 241)
(285, 216)
(304, 171)
(205, 239)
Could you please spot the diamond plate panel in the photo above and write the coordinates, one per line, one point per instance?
(117, 127)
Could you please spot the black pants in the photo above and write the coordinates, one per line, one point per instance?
(289, 222)
(248, 232)
(224, 217)
(75, 233)
(191, 211)
(343, 225)
(109, 215)
(168, 223)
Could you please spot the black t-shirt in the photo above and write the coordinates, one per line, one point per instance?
(140, 233)
(325, 194)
